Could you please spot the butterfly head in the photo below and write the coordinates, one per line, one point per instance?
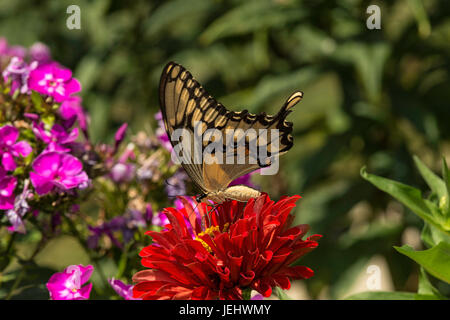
(200, 197)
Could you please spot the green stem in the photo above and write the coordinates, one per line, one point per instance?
(123, 260)
(94, 260)
(246, 294)
(24, 268)
(5, 254)
(16, 283)
(10, 243)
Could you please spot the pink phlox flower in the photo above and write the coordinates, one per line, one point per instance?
(21, 207)
(7, 186)
(122, 289)
(3, 46)
(120, 135)
(159, 219)
(124, 225)
(53, 80)
(68, 285)
(57, 170)
(161, 133)
(18, 71)
(71, 111)
(10, 149)
(11, 51)
(40, 52)
(57, 138)
(123, 170)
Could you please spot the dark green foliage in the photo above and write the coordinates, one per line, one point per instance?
(371, 97)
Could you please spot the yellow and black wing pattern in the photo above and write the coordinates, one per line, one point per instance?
(186, 104)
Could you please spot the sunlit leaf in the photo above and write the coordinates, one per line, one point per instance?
(281, 294)
(435, 260)
(434, 182)
(432, 235)
(425, 286)
(409, 196)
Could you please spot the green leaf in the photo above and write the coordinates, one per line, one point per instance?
(435, 260)
(435, 183)
(169, 13)
(409, 196)
(48, 119)
(386, 295)
(281, 294)
(369, 61)
(250, 17)
(425, 286)
(282, 84)
(432, 235)
(37, 100)
(423, 23)
(444, 201)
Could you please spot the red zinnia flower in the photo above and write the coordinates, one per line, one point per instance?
(217, 255)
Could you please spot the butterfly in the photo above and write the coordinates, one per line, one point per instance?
(186, 107)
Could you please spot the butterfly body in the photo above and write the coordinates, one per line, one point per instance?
(185, 105)
(239, 193)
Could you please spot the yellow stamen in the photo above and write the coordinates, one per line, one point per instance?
(210, 231)
(204, 244)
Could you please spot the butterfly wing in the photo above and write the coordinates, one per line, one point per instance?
(186, 104)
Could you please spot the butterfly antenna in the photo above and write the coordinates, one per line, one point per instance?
(196, 206)
(206, 216)
(214, 207)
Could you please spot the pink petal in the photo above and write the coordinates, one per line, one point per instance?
(22, 148)
(42, 185)
(72, 86)
(70, 107)
(58, 279)
(8, 162)
(52, 146)
(70, 165)
(46, 68)
(37, 75)
(61, 73)
(73, 181)
(120, 133)
(71, 137)
(86, 272)
(85, 291)
(8, 135)
(47, 164)
(7, 203)
(59, 97)
(7, 186)
(40, 132)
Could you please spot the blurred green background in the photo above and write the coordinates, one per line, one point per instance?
(371, 97)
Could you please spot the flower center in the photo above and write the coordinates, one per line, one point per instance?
(210, 231)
